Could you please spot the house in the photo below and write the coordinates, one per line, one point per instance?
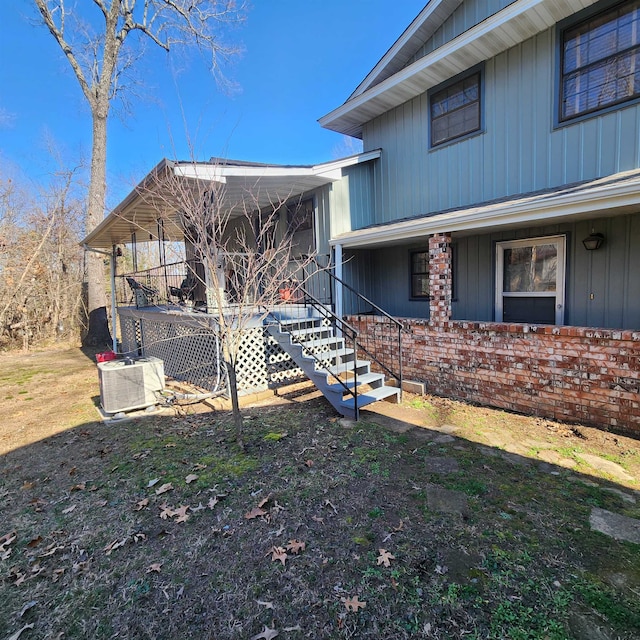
(494, 211)
(503, 220)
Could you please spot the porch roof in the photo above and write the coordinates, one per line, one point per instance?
(392, 82)
(612, 195)
(258, 185)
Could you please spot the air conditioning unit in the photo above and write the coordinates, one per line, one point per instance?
(130, 384)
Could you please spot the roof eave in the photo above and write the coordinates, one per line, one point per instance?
(501, 31)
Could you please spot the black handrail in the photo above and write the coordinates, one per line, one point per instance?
(397, 374)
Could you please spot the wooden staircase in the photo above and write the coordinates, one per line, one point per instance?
(348, 383)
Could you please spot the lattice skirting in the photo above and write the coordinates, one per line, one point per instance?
(191, 351)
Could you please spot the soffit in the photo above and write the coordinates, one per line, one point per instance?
(238, 187)
(501, 31)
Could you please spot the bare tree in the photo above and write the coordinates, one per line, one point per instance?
(243, 253)
(100, 61)
(41, 264)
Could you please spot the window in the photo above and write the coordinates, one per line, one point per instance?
(600, 61)
(419, 274)
(530, 280)
(455, 110)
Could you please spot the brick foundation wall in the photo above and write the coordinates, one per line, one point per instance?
(574, 374)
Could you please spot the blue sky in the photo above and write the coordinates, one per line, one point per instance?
(301, 59)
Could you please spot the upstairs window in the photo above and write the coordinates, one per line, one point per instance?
(600, 64)
(455, 110)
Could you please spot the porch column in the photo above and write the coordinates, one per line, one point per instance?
(337, 257)
(440, 280)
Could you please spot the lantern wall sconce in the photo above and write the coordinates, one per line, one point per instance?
(593, 242)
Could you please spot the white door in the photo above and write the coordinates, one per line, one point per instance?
(530, 280)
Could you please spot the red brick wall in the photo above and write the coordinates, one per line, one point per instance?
(575, 374)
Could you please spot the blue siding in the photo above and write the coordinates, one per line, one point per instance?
(518, 152)
(467, 15)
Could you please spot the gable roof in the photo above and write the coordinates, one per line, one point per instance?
(374, 96)
(415, 35)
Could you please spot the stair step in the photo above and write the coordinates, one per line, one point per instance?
(320, 342)
(333, 355)
(348, 366)
(365, 378)
(380, 393)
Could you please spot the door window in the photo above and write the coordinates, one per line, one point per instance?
(530, 280)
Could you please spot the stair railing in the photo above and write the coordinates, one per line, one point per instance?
(341, 328)
(389, 330)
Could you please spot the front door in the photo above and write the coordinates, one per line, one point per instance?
(530, 280)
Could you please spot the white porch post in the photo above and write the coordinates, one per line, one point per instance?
(337, 256)
(114, 311)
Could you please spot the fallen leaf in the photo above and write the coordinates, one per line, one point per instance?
(57, 574)
(102, 503)
(27, 606)
(192, 477)
(353, 604)
(200, 507)
(199, 466)
(7, 538)
(141, 505)
(296, 546)
(69, 509)
(164, 488)
(265, 500)
(265, 634)
(51, 549)
(296, 628)
(166, 511)
(181, 512)
(308, 463)
(256, 512)
(317, 519)
(278, 553)
(139, 537)
(28, 485)
(156, 566)
(152, 483)
(73, 471)
(34, 542)
(268, 605)
(79, 487)
(169, 445)
(17, 634)
(385, 557)
(112, 546)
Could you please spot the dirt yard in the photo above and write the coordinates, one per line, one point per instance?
(431, 519)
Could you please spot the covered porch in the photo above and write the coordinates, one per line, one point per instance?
(468, 335)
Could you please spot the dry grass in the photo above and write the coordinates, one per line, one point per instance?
(487, 539)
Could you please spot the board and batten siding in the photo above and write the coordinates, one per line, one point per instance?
(611, 274)
(467, 15)
(519, 150)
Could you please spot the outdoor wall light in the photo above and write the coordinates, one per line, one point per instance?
(593, 242)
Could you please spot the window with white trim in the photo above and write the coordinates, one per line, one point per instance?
(530, 280)
(600, 61)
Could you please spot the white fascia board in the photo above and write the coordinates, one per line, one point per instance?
(426, 14)
(220, 173)
(453, 49)
(536, 209)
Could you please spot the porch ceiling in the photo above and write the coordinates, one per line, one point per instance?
(239, 185)
(613, 195)
(517, 22)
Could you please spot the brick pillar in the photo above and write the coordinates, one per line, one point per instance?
(440, 282)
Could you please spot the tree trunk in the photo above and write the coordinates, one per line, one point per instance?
(235, 404)
(98, 334)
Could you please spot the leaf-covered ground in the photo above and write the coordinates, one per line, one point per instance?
(434, 519)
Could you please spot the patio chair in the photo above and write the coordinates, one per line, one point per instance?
(143, 294)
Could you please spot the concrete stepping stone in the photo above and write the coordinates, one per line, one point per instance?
(614, 525)
(441, 465)
(446, 500)
(606, 466)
